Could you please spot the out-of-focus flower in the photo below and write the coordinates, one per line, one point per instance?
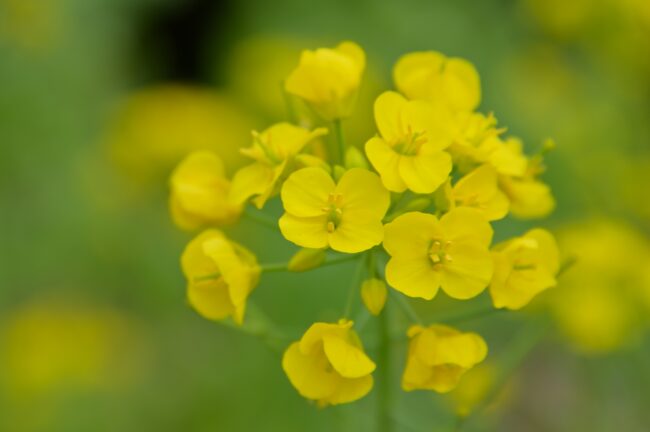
(427, 254)
(158, 126)
(273, 151)
(438, 356)
(345, 216)
(199, 193)
(31, 24)
(328, 364)
(524, 267)
(220, 275)
(430, 75)
(328, 79)
(479, 190)
(373, 294)
(48, 347)
(409, 154)
(600, 304)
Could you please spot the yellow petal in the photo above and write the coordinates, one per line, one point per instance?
(354, 52)
(414, 277)
(356, 232)
(549, 254)
(479, 190)
(415, 74)
(347, 359)
(210, 299)
(311, 375)
(286, 140)
(309, 232)
(305, 193)
(350, 390)
(454, 347)
(194, 261)
(386, 161)
(317, 331)
(182, 219)
(362, 192)
(251, 180)
(464, 224)
(424, 173)
(373, 294)
(461, 84)
(410, 235)
(470, 271)
(388, 108)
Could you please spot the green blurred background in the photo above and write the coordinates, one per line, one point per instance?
(99, 99)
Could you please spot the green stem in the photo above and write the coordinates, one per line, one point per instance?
(338, 130)
(353, 289)
(261, 218)
(406, 307)
(291, 112)
(384, 399)
(275, 267)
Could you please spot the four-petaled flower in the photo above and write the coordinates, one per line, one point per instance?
(328, 79)
(409, 153)
(524, 267)
(328, 364)
(345, 216)
(427, 253)
(438, 356)
(220, 275)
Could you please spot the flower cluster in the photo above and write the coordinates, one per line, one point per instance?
(414, 204)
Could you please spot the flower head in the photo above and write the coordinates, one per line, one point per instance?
(430, 75)
(345, 216)
(199, 193)
(408, 154)
(479, 190)
(438, 356)
(328, 364)
(273, 151)
(220, 275)
(427, 254)
(328, 79)
(524, 267)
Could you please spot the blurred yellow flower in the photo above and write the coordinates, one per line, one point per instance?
(328, 364)
(427, 254)
(273, 151)
(345, 216)
(158, 126)
(220, 275)
(601, 305)
(373, 294)
(524, 267)
(409, 153)
(479, 190)
(438, 356)
(328, 79)
(430, 75)
(199, 193)
(306, 259)
(529, 198)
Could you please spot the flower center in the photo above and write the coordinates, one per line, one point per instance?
(333, 211)
(410, 143)
(439, 253)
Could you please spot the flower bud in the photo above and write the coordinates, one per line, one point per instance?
(373, 293)
(354, 158)
(306, 259)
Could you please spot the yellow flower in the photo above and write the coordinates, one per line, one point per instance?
(438, 356)
(328, 79)
(430, 75)
(409, 155)
(479, 190)
(199, 193)
(524, 267)
(328, 364)
(529, 198)
(345, 216)
(220, 275)
(427, 253)
(273, 151)
(373, 294)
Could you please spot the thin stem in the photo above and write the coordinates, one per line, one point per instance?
(406, 307)
(384, 399)
(338, 130)
(261, 218)
(275, 267)
(567, 264)
(353, 288)
(339, 260)
(291, 111)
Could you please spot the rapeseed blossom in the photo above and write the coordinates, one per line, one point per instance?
(413, 207)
